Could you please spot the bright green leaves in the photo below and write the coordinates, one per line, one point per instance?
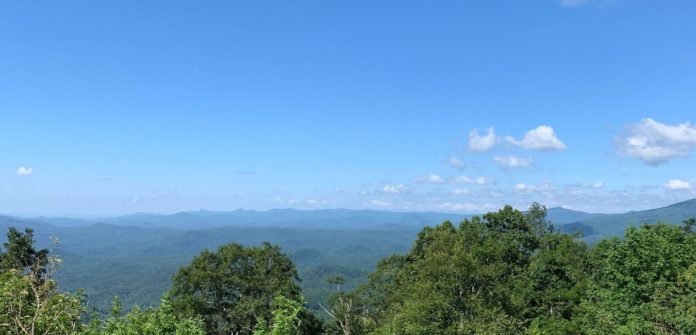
(160, 321)
(644, 284)
(28, 307)
(286, 318)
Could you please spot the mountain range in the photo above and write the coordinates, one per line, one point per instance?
(134, 256)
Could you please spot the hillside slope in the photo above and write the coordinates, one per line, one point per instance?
(611, 225)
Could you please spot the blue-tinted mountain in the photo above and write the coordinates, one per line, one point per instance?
(611, 225)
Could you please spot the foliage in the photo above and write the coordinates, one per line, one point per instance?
(286, 318)
(31, 308)
(506, 272)
(348, 316)
(160, 321)
(502, 273)
(644, 284)
(234, 287)
(21, 255)
(30, 303)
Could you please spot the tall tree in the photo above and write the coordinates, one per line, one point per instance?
(644, 283)
(21, 255)
(30, 303)
(489, 275)
(234, 287)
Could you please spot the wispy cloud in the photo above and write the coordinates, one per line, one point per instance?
(460, 207)
(430, 179)
(315, 202)
(25, 171)
(513, 161)
(657, 143)
(460, 191)
(155, 195)
(678, 185)
(543, 187)
(377, 203)
(400, 188)
(456, 163)
(476, 180)
(482, 143)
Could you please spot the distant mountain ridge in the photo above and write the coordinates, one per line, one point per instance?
(610, 225)
(592, 226)
(315, 219)
(567, 220)
(134, 256)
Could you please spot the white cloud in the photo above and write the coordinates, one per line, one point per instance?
(462, 180)
(546, 186)
(484, 180)
(539, 138)
(452, 206)
(513, 161)
(656, 143)
(482, 142)
(378, 203)
(456, 163)
(401, 188)
(460, 191)
(477, 180)
(572, 3)
(315, 202)
(286, 201)
(678, 185)
(430, 179)
(25, 171)
(598, 184)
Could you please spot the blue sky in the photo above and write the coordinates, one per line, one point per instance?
(113, 107)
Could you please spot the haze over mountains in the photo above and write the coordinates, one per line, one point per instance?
(589, 224)
(144, 250)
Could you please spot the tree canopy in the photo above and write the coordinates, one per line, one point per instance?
(506, 272)
(234, 287)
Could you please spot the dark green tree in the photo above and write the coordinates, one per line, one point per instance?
(21, 255)
(554, 285)
(506, 272)
(233, 288)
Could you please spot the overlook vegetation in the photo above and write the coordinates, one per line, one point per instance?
(135, 256)
(506, 272)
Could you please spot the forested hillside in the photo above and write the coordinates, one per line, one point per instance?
(135, 256)
(506, 272)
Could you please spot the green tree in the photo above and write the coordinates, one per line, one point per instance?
(286, 318)
(30, 303)
(494, 274)
(643, 284)
(21, 255)
(159, 321)
(349, 316)
(554, 285)
(234, 287)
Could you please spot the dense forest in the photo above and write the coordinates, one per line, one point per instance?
(506, 272)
